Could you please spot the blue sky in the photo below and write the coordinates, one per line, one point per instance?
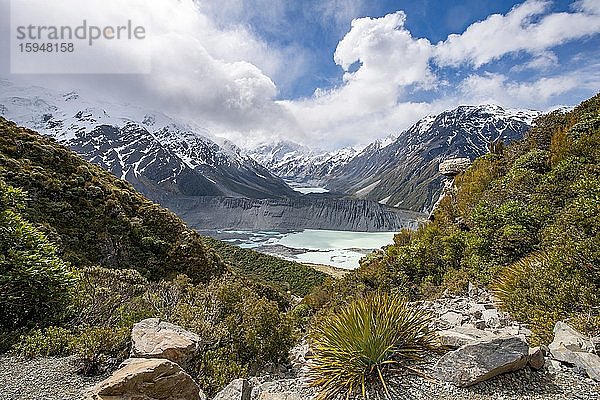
(332, 73)
(303, 27)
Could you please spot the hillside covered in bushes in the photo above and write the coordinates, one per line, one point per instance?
(523, 220)
(84, 257)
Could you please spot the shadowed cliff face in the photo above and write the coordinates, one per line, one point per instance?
(291, 214)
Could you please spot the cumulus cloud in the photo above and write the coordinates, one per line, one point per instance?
(391, 61)
(522, 29)
(493, 87)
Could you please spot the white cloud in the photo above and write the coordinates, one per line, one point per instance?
(524, 28)
(391, 62)
(543, 61)
(497, 88)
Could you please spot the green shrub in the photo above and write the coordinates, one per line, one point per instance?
(35, 284)
(110, 297)
(96, 345)
(544, 288)
(51, 341)
(355, 350)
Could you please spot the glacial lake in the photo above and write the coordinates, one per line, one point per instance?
(340, 249)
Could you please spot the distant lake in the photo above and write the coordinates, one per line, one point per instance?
(341, 249)
(306, 189)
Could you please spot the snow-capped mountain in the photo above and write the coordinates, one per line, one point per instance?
(159, 155)
(404, 173)
(300, 164)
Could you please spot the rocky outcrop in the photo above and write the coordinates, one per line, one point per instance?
(308, 212)
(482, 360)
(147, 379)
(464, 320)
(454, 166)
(571, 347)
(153, 338)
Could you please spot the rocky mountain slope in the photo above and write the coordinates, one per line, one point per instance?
(178, 164)
(160, 156)
(404, 174)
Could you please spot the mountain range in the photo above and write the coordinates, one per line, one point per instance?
(402, 170)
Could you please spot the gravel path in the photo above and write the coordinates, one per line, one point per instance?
(56, 379)
(42, 379)
(523, 384)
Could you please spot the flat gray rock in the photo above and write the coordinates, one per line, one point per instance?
(482, 360)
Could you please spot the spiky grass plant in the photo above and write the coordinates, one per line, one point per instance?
(358, 348)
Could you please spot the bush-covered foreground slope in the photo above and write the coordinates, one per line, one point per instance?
(84, 257)
(524, 220)
(95, 218)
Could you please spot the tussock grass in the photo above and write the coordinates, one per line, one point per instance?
(356, 349)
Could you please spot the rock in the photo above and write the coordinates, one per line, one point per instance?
(454, 166)
(452, 319)
(462, 335)
(238, 389)
(472, 290)
(482, 360)
(152, 338)
(147, 379)
(596, 341)
(479, 324)
(571, 347)
(569, 338)
(536, 358)
(491, 318)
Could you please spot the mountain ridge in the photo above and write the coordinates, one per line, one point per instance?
(157, 154)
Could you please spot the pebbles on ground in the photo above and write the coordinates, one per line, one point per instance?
(44, 378)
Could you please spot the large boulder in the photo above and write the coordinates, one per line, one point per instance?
(566, 337)
(153, 338)
(571, 347)
(482, 360)
(454, 166)
(238, 389)
(147, 379)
